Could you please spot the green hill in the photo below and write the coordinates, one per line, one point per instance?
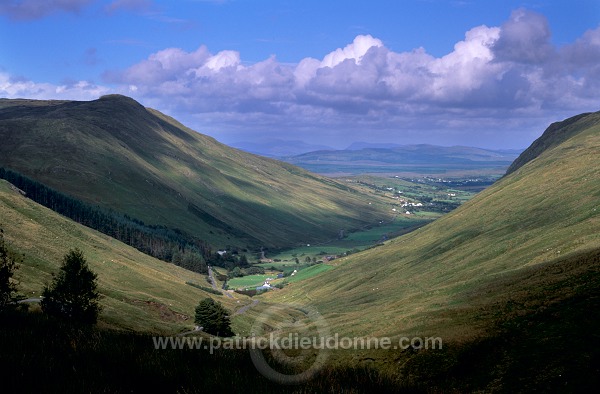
(115, 153)
(139, 292)
(510, 269)
(554, 135)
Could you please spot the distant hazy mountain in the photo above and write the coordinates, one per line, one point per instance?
(421, 158)
(278, 148)
(366, 145)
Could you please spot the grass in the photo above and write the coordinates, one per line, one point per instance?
(353, 241)
(309, 272)
(534, 343)
(546, 210)
(303, 273)
(248, 281)
(414, 190)
(510, 282)
(138, 292)
(117, 154)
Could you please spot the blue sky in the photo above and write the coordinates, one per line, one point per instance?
(484, 73)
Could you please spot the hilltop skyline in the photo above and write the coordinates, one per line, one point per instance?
(440, 72)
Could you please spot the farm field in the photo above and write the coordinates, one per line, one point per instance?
(437, 196)
(309, 272)
(248, 281)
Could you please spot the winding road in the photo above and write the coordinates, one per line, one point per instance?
(245, 308)
(28, 300)
(213, 283)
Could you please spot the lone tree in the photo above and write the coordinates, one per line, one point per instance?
(73, 293)
(8, 266)
(213, 318)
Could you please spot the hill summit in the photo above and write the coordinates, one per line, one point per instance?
(554, 135)
(115, 153)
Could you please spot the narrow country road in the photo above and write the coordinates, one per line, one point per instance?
(245, 308)
(213, 283)
(28, 300)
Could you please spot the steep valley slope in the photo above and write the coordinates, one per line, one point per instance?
(511, 278)
(117, 154)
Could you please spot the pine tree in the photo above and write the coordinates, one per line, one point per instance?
(73, 293)
(244, 261)
(213, 318)
(8, 266)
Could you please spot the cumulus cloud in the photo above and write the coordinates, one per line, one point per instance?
(495, 79)
(495, 75)
(170, 64)
(36, 9)
(12, 87)
(524, 38)
(582, 58)
(354, 51)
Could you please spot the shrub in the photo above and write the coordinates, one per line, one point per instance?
(255, 270)
(8, 266)
(213, 318)
(73, 293)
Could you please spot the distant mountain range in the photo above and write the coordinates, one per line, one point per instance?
(278, 148)
(423, 159)
(371, 145)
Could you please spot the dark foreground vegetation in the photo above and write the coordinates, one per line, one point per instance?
(548, 347)
(541, 336)
(43, 354)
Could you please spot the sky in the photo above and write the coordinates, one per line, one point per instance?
(484, 73)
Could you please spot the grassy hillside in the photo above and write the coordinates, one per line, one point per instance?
(115, 153)
(510, 282)
(504, 246)
(139, 292)
(554, 135)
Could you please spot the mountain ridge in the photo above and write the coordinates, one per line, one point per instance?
(545, 211)
(419, 158)
(115, 153)
(554, 135)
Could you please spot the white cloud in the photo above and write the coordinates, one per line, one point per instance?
(497, 79)
(165, 65)
(223, 59)
(495, 75)
(22, 88)
(354, 51)
(465, 69)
